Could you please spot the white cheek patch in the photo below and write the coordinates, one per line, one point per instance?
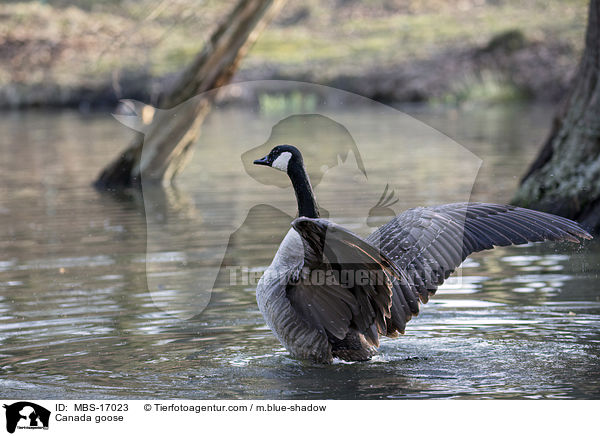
(281, 163)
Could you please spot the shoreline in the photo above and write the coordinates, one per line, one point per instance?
(60, 55)
(530, 73)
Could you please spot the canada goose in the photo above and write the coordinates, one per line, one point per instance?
(373, 286)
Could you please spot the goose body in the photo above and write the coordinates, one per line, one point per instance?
(303, 339)
(330, 293)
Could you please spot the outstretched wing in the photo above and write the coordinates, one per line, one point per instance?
(429, 243)
(345, 283)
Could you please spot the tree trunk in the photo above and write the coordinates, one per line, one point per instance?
(168, 141)
(565, 177)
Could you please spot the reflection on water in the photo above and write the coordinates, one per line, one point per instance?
(77, 320)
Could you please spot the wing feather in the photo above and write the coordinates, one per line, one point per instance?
(429, 243)
(339, 306)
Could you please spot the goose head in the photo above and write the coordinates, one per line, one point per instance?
(283, 158)
(288, 159)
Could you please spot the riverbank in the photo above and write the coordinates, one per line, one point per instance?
(57, 54)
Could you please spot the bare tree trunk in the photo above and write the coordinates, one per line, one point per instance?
(565, 177)
(169, 140)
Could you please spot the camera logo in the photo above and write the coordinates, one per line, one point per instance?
(26, 415)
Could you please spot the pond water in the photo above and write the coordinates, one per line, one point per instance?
(83, 314)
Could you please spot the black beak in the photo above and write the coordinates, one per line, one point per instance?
(263, 161)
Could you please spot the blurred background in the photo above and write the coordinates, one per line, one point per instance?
(91, 53)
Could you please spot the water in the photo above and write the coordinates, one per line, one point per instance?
(77, 318)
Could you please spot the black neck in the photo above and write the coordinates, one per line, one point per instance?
(307, 205)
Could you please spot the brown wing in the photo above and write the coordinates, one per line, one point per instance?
(429, 243)
(345, 284)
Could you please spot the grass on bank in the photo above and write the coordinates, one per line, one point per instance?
(75, 43)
